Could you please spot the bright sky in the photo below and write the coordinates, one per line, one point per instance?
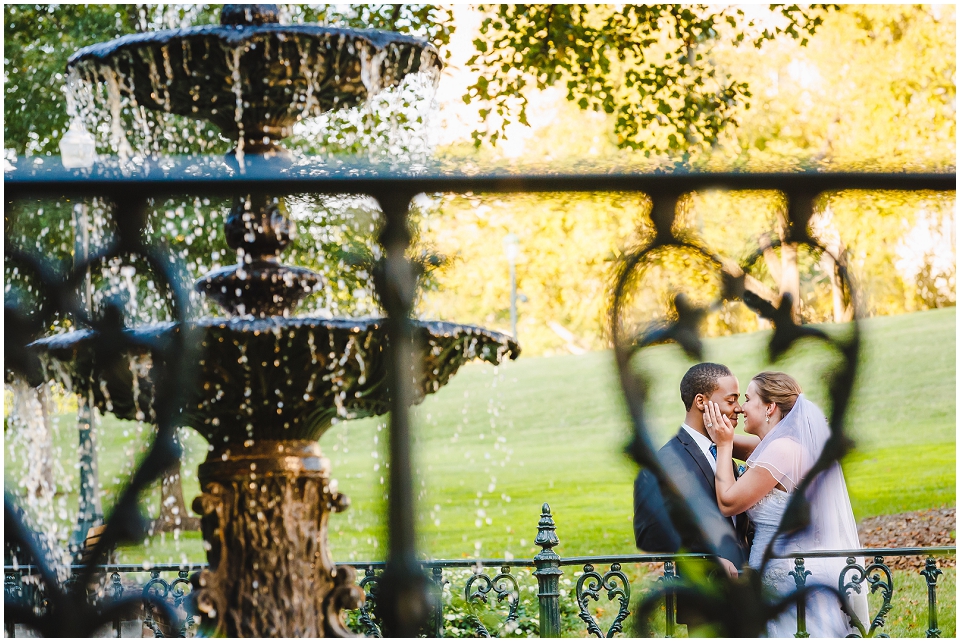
(457, 119)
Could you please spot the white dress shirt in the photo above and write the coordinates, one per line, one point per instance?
(704, 442)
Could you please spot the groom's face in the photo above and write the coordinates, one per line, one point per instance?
(727, 396)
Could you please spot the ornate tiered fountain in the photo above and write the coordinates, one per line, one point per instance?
(271, 383)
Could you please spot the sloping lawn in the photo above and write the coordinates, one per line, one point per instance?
(496, 443)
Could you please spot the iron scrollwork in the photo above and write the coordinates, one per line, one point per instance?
(179, 597)
(70, 612)
(162, 590)
(503, 585)
(870, 574)
(608, 581)
(370, 585)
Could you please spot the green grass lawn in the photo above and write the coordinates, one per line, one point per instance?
(496, 443)
(503, 441)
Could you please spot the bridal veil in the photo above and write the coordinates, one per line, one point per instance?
(788, 452)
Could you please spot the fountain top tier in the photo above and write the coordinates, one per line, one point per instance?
(251, 77)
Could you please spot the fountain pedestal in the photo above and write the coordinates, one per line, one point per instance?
(264, 511)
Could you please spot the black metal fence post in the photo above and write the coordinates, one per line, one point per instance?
(117, 587)
(669, 600)
(13, 590)
(548, 575)
(405, 596)
(800, 574)
(438, 604)
(931, 572)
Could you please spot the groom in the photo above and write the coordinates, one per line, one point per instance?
(689, 458)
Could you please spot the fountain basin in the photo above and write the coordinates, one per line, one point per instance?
(253, 81)
(272, 378)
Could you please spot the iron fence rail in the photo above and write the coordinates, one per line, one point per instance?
(480, 589)
(150, 181)
(120, 582)
(928, 551)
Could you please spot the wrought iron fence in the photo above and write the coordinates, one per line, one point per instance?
(485, 584)
(68, 609)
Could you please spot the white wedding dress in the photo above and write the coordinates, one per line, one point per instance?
(824, 618)
(788, 452)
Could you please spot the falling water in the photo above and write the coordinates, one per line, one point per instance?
(233, 66)
(118, 137)
(42, 485)
(392, 126)
(326, 74)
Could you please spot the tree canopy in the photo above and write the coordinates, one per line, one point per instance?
(873, 87)
(648, 65)
(651, 66)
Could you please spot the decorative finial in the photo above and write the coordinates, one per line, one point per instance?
(548, 575)
(546, 533)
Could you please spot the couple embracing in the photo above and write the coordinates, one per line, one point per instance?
(740, 508)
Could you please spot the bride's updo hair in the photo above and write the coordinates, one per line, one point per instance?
(779, 388)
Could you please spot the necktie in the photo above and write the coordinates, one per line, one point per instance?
(713, 451)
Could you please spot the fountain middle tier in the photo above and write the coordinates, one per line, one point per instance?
(271, 378)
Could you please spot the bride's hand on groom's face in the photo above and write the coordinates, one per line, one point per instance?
(717, 425)
(708, 423)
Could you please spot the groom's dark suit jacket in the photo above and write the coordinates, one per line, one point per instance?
(686, 464)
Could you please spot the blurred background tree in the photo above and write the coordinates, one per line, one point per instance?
(874, 89)
(601, 87)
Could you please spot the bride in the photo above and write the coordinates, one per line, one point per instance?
(792, 432)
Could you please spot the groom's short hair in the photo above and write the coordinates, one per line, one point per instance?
(701, 379)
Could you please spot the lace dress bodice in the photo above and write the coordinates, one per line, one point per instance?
(824, 616)
(766, 515)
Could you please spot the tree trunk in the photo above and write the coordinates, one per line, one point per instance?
(842, 309)
(789, 270)
(790, 277)
(770, 258)
(173, 509)
(46, 463)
